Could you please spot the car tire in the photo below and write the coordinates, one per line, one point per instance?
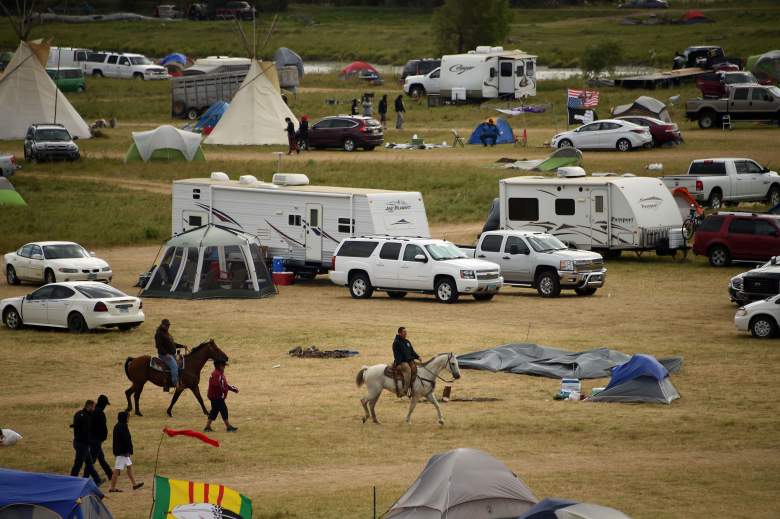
(565, 143)
(719, 256)
(763, 327)
(773, 197)
(10, 275)
(483, 297)
(349, 144)
(707, 120)
(446, 291)
(81, 88)
(138, 75)
(97, 73)
(416, 91)
(396, 294)
(76, 323)
(585, 292)
(715, 201)
(548, 284)
(49, 277)
(623, 145)
(12, 319)
(193, 114)
(360, 286)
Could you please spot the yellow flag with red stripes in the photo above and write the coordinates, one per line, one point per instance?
(172, 493)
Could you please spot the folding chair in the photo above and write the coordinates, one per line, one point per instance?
(457, 139)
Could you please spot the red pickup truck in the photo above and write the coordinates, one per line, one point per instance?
(239, 10)
(716, 84)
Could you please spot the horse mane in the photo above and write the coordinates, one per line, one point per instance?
(434, 357)
(199, 347)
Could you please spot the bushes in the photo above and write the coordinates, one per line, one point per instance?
(600, 57)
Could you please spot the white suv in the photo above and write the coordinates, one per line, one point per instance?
(399, 265)
(418, 85)
(123, 66)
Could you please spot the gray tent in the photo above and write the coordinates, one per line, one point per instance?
(589, 511)
(284, 57)
(642, 379)
(463, 484)
(644, 105)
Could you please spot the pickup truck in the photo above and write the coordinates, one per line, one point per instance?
(421, 84)
(745, 102)
(539, 260)
(716, 84)
(715, 181)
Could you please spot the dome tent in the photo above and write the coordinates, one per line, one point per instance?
(165, 143)
(208, 262)
(505, 133)
(641, 379)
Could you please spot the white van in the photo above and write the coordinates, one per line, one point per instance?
(66, 57)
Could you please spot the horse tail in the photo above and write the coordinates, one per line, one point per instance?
(127, 363)
(361, 379)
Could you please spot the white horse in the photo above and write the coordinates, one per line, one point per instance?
(424, 383)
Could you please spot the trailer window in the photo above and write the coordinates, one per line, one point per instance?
(599, 204)
(529, 65)
(520, 70)
(345, 226)
(294, 220)
(492, 72)
(390, 251)
(357, 249)
(195, 221)
(523, 209)
(196, 194)
(564, 206)
(506, 69)
(492, 243)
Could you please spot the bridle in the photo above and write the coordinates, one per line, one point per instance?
(432, 382)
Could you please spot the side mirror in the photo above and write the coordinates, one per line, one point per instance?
(421, 258)
(37, 256)
(765, 170)
(28, 297)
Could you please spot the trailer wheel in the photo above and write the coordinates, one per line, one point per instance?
(707, 119)
(192, 114)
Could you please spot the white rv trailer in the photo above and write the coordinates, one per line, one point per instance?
(301, 223)
(607, 213)
(488, 73)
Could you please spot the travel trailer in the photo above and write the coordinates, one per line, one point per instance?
(301, 223)
(488, 73)
(606, 212)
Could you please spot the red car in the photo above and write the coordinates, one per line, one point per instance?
(348, 132)
(662, 132)
(724, 237)
(716, 84)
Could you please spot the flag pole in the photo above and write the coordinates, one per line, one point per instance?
(154, 478)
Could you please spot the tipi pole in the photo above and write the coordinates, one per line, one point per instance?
(56, 88)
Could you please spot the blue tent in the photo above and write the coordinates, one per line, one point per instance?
(505, 134)
(68, 497)
(212, 116)
(637, 366)
(641, 379)
(176, 57)
(546, 509)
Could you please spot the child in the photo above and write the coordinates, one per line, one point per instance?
(123, 449)
(218, 390)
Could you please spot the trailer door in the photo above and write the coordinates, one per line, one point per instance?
(314, 232)
(599, 218)
(506, 77)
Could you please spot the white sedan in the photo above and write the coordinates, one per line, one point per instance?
(605, 134)
(78, 306)
(759, 318)
(50, 261)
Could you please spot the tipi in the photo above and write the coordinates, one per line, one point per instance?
(256, 113)
(29, 96)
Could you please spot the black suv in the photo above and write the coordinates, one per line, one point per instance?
(49, 142)
(348, 132)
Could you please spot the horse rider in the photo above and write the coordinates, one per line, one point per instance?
(166, 349)
(403, 359)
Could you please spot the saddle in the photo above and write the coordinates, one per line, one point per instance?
(398, 377)
(157, 364)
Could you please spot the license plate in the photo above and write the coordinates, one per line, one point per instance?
(491, 287)
(91, 276)
(124, 310)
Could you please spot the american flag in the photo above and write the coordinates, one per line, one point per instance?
(582, 98)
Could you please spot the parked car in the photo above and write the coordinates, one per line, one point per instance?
(421, 84)
(724, 237)
(703, 56)
(123, 66)
(8, 165)
(78, 306)
(167, 11)
(349, 132)
(743, 103)
(644, 4)
(662, 132)
(716, 84)
(759, 317)
(240, 10)
(759, 283)
(605, 134)
(69, 79)
(50, 142)
(402, 265)
(541, 261)
(415, 67)
(51, 261)
(732, 180)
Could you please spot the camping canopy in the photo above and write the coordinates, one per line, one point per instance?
(256, 113)
(559, 158)
(24, 494)
(589, 511)
(644, 105)
(766, 66)
(165, 143)
(505, 134)
(29, 96)
(641, 379)
(284, 57)
(9, 195)
(211, 117)
(356, 67)
(463, 484)
(211, 261)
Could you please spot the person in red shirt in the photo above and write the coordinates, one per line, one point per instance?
(218, 391)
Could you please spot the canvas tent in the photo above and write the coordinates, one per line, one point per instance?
(256, 113)
(641, 379)
(766, 66)
(29, 96)
(559, 158)
(33, 495)
(644, 105)
(589, 511)
(165, 143)
(505, 133)
(463, 484)
(209, 262)
(8, 195)
(284, 57)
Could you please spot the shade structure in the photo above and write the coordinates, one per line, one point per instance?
(589, 511)
(642, 380)
(165, 143)
(29, 96)
(8, 195)
(463, 484)
(644, 105)
(357, 67)
(211, 261)
(284, 57)
(257, 112)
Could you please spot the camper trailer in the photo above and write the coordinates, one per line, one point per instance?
(488, 73)
(606, 213)
(301, 223)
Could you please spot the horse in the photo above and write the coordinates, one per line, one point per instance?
(139, 372)
(375, 380)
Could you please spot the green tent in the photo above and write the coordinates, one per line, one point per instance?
(557, 159)
(9, 195)
(165, 143)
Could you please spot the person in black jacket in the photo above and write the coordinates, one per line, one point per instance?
(353, 110)
(399, 112)
(80, 428)
(303, 133)
(98, 433)
(403, 359)
(383, 111)
(123, 449)
(291, 140)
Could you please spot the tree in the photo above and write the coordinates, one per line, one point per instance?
(597, 58)
(461, 25)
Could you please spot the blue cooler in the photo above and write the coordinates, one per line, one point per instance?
(278, 264)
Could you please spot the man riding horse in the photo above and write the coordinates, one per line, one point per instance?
(403, 360)
(167, 349)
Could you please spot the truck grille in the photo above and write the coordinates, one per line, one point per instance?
(588, 265)
(761, 285)
(493, 274)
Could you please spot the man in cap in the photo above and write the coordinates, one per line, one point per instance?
(166, 349)
(403, 359)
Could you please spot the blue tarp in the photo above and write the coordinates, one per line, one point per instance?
(505, 135)
(638, 366)
(52, 491)
(546, 509)
(212, 116)
(174, 58)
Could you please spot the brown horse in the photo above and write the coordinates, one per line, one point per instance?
(139, 372)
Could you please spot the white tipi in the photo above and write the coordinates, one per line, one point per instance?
(29, 96)
(256, 113)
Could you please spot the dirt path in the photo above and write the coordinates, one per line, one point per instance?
(136, 185)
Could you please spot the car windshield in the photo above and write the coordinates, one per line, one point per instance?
(775, 91)
(444, 251)
(52, 135)
(546, 243)
(64, 251)
(140, 60)
(99, 292)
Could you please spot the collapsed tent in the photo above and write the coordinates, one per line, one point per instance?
(559, 158)
(463, 484)
(29, 96)
(766, 66)
(165, 143)
(589, 511)
(211, 261)
(257, 112)
(8, 195)
(284, 57)
(208, 121)
(641, 379)
(505, 133)
(544, 361)
(356, 67)
(644, 105)
(49, 496)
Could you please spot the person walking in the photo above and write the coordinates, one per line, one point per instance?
(303, 133)
(218, 390)
(123, 448)
(399, 112)
(383, 111)
(83, 458)
(98, 433)
(368, 106)
(166, 350)
(291, 140)
(403, 359)
(353, 110)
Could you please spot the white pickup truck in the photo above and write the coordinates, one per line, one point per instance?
(539, 260)
(422, 84)
(715, 181)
